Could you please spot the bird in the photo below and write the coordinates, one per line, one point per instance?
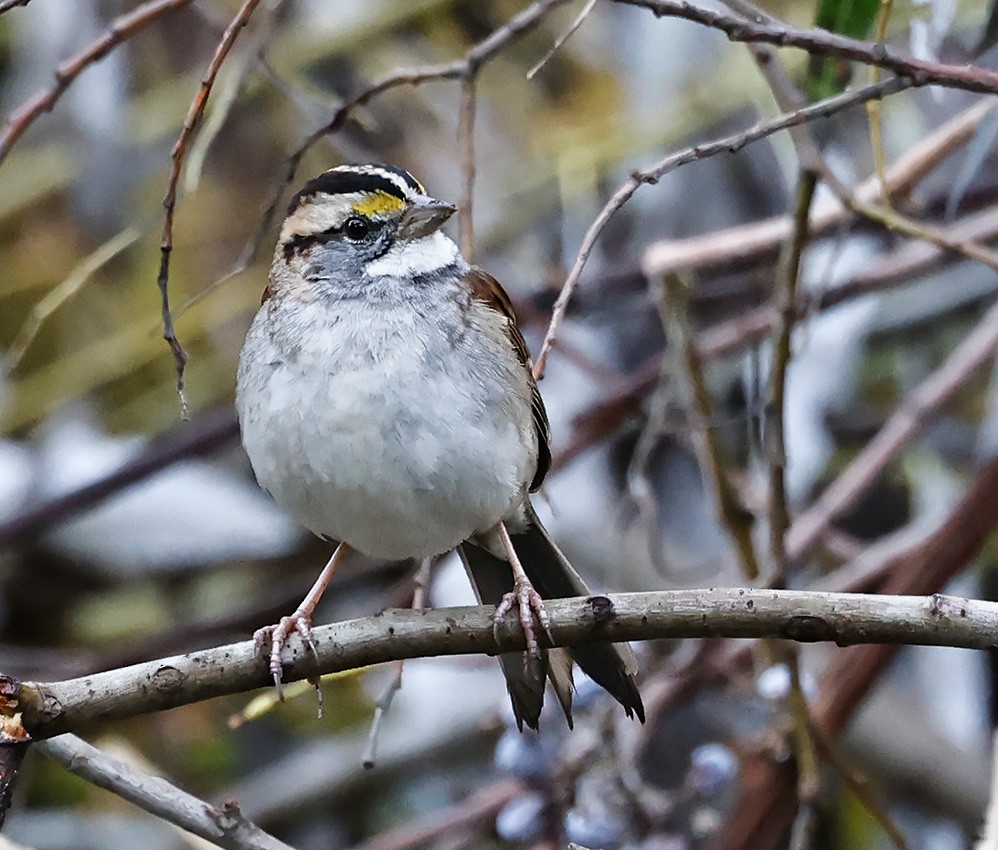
(386, 400)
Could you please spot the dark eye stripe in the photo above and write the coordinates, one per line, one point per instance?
(303, 240)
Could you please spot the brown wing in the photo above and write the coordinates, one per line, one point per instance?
(486, 289)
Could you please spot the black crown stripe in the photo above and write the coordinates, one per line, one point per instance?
(342, 183)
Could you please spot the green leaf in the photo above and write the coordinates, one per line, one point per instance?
(829, 75)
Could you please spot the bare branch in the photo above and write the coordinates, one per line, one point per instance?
(728, 144)
(823, 43)
(785, 303)
(122, 28)
(211, 432)
(224, 827)
(466, 138)
(177, 155)
(561, 39)
(747, 241)
(52, 708)
(907, 422)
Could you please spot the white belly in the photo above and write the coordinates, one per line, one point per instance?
(377, 443)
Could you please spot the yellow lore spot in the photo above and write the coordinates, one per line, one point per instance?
(378, 203)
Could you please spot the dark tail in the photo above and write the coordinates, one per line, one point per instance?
(612, 666)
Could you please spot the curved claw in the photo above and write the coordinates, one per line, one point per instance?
(529, 605)
(277, 635)
(502, 609)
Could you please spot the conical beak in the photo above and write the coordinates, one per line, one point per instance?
(424, 216)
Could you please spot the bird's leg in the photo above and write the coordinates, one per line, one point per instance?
(300, 621)
(524, 596)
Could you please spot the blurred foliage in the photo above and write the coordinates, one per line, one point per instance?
(828, 75)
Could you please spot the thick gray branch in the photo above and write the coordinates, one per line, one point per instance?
(56, 707)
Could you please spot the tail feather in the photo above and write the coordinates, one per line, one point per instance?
(524, 674)
(612, 666)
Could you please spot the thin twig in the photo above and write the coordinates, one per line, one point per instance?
(177, 155)
(561, 39)
(224, 827)
(743, 243)
(639, 485)
(873, 107)
(10, 4)
(785, 302)
(728, 144)
(225, 99)
(939, 620)
(907, 422)
(672, 305)
(121, 29)
(824, 43)
(62, 292)
(806, 753)
(893, 220)
(862, 791)
(466, 139)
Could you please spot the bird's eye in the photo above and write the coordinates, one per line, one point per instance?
(356, 228)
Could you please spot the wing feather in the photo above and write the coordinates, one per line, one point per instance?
(486, 289)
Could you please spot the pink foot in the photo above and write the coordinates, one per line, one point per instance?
(277, 636)
(529, 605)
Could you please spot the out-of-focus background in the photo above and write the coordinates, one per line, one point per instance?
(195, 555)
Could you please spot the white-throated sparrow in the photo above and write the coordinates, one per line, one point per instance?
(386, 401)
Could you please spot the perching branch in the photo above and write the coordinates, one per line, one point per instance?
(55, 707)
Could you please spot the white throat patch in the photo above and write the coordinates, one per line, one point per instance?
(420, 256)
